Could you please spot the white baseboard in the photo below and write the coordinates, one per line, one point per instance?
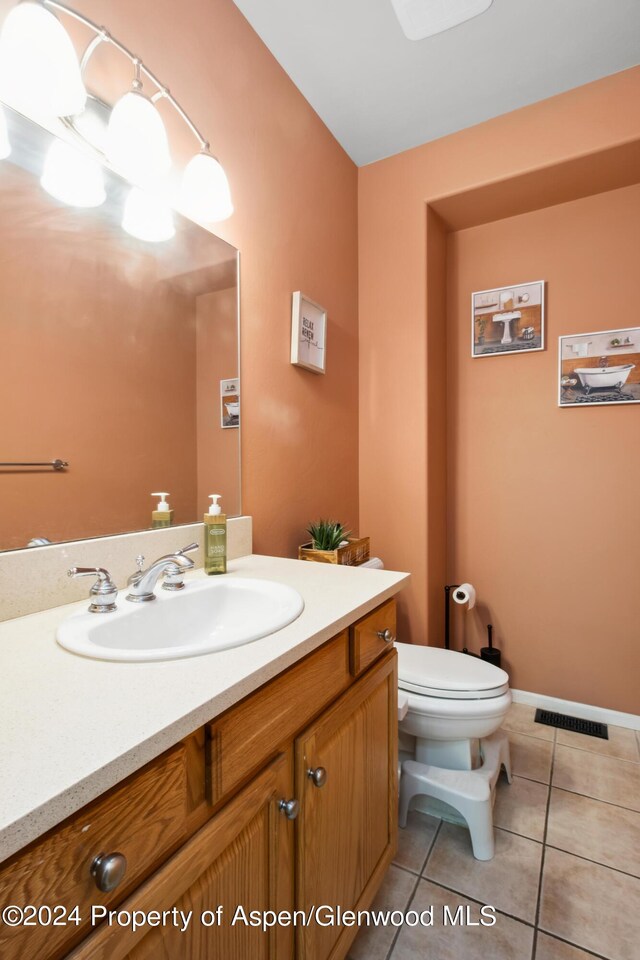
(583, 710)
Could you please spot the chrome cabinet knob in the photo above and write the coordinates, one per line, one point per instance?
(290, 808)
(318, 776)
(386, 635)
(108, 870)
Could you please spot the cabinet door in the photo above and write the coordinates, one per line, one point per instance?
(242, 857)
(347, 829)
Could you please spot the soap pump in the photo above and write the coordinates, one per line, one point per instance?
(215, 538)
(162, 516)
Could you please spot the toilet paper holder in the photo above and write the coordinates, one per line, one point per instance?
(467, 595)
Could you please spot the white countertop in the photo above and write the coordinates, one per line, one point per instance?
(72, 727)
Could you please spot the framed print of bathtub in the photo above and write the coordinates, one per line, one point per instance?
(508, 319)
(601, 367)
(229, 404)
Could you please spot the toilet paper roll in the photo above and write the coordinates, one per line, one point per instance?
(374, 562)
(465, 593)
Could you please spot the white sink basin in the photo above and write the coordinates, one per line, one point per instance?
(206, 616)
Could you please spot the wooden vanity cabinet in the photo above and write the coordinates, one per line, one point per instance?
(347, 782)
(317, 735)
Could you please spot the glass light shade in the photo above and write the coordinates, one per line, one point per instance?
(39, 69)
(5, 146)
(204, 192)
(72, 177)
(137, 142)
(147, 217)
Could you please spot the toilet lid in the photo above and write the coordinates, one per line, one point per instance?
(435, 672)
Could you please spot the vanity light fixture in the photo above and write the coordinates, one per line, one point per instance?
(5, 146)
(147, 217)
(73, 177)
(137, 143)
(40, 75)
(39, 70)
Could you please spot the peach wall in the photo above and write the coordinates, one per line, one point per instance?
(403, 470)
(295, 195)
(542, 502)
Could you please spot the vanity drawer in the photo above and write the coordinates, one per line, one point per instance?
(368, 637)
(246, 736)
(143, 819)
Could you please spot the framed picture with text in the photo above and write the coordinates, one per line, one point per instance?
(308, 334)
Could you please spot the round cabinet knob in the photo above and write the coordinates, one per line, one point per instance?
(318, 776)
(108, 869)
(290, 808)
(386, 635)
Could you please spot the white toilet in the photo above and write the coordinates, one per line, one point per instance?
(451, 708)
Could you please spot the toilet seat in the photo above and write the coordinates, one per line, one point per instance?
(447, 674)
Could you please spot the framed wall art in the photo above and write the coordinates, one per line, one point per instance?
(229, 404)
(308, 334)
(597, 368)
(508, 319)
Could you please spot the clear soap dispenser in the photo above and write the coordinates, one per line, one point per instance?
(215, 538)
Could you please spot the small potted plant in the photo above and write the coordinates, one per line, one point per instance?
(331, 542)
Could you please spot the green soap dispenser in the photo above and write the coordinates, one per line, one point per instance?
(215, 538)
(162, 516)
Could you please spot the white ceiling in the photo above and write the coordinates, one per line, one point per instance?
(380, 93)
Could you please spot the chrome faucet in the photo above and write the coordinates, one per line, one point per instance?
(173, 566)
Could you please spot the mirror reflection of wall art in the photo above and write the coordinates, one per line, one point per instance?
(508, 319)
(308, 334)
(602, 367)
(229, 404)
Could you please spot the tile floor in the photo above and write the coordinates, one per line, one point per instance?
(565, 880)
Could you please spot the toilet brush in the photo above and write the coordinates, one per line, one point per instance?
(490, 653)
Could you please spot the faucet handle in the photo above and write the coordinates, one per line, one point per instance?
(103, 593)
(173, 578)
(188, 549)
(140, 561)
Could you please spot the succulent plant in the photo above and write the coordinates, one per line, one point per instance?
(327, 534)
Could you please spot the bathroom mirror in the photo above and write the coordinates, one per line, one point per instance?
(119, 358)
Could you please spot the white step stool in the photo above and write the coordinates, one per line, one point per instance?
(467, 791)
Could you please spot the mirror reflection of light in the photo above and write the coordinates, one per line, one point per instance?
(147, 217)
(5, 146)
(39, 69)
(137, 143)
(72, 177)
(204, 192)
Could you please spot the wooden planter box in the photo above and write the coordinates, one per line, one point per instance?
(355, 552)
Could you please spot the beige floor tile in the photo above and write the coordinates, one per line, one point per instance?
(520, 719)
(595, 830)
(548, 948)
(622, 743)
(374, 943)
(521, 807)
(509, 882)
(414, 842)
(604, 778)
(507, 939)
(530, 757)
(590, 905)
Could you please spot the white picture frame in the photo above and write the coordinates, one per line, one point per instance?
(519, 312)
(585, 381)
(308, 334)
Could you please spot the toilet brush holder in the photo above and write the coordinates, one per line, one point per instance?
(490, 653)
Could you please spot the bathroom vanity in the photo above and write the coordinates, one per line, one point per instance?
(282, 796)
